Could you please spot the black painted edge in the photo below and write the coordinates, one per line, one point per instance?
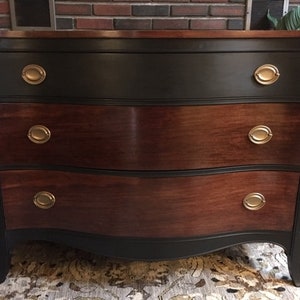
(154, 173)
(276, 99)
(147, 248)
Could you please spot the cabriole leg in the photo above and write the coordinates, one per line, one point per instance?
(4, 260)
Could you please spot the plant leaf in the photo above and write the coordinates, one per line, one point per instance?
(273, 20)
(290, 21)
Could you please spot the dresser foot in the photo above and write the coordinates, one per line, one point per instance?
(3, 275)
(4, 261)
(294, 268)
(294, 257)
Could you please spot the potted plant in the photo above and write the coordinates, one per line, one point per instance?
(290, 21)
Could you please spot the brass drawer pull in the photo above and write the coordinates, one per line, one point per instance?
(254, 201)
(266, 74)
(39, 134)
(44, 200)
(33, 74)
(260, 134)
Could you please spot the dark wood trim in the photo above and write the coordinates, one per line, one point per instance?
(208, 34)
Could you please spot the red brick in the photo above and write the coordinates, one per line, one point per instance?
(210, 1)
(73, 9)
(170, 24)
(208, 23)
(4, 8)
(150, 10)
(88, 1)
(82, 23)
(236, 24)
(227, 10)
(171, 1)
(129, 1)
(112, 9)
(64, 23)
(5, 22)
(189, 10)
(132, 24)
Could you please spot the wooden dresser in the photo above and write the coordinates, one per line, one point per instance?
(150, 145)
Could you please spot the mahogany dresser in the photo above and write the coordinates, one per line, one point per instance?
(150, 145)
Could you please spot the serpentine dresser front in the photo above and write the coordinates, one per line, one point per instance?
(150, 145)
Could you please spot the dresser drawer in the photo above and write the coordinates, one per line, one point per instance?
(149, 207)
(148, 138)
(149, 76)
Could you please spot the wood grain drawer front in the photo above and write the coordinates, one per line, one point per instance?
(150, 207)
(150, 75)
(148, 138)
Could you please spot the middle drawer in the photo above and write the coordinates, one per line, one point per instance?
(149, 138)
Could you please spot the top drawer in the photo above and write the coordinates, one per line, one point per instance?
(150, 77)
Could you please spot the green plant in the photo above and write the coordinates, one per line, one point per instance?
(290, 21)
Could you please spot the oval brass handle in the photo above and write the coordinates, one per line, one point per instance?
(254, 201)
(33, 74)
(39, 134)
(266, 74)
(44, 200)
(260, 134)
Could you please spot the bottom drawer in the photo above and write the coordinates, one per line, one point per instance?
(149, 207)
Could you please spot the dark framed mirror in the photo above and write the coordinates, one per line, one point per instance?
(32, 14)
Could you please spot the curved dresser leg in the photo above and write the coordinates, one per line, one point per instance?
(294, 255)
(294, 268)
(4, 252)
(4, 261)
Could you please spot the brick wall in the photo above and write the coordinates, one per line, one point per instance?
(158, 14)
(144, 15)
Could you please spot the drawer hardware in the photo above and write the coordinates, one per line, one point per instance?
(260, 134)
(254, 201)
(44, 200)
(39, 134)
(33, 74)
(266, 74)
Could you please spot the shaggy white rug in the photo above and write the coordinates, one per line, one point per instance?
(43, 270)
